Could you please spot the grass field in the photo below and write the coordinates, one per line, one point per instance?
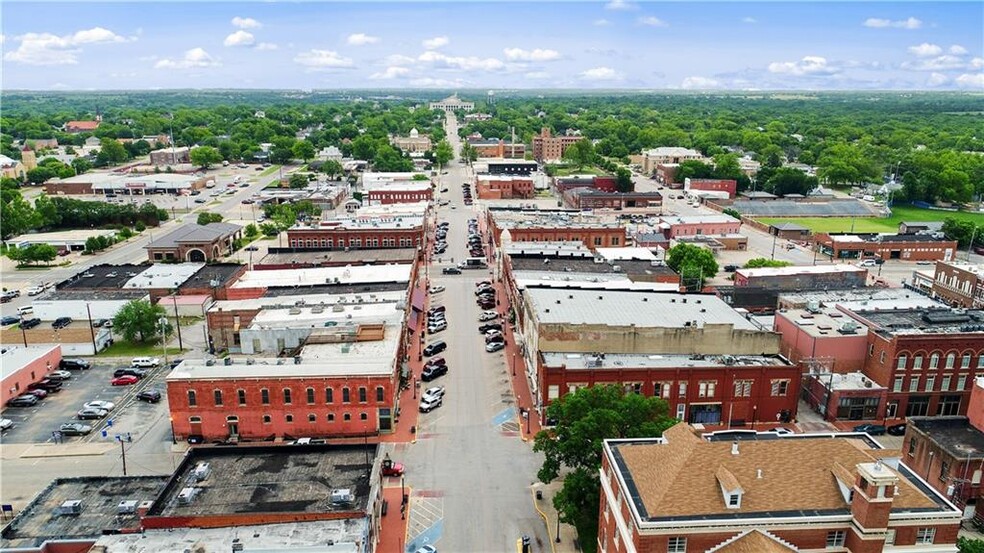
(876, 224)
(566, 171)
(127, 349)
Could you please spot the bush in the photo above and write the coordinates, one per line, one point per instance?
(140, 226)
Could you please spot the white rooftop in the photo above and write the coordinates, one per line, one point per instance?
(362, 274)
(16, 357)
(626, 308)
(799, 270)
(849, 381)
(699, 219)
(676, 151)
(62, 235)
(561, 249)
(588, 281)
(305, 300)
(613, 254)
(293, 537)
(164, 275)
(318, 314)
(400, 186)
(620, 361)
(847, 238)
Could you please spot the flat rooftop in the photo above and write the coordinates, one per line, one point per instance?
(353, 257)
(93, 295)
(627, 308)
(61, 236)
(101, 276)
(589, 265)
(829, 322)
(955, 435)
(356, 288)
(356, 274)
(925, 321)
(621, 361)
(849, 382)
(404, 221)
(390, 310)
(15, 358)
(100, 496)
(520, 219)
(799, 270)
(699, 220)
(297, 537)
(219, 273)
(630, 253)
(164, 275)
(680, 476)
(268, 479)
(858, 298)
(307, 300)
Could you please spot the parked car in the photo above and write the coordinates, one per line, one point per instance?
(436, 371)
(124, 380)
(6, 424)
(28, 324)
(130, 371)
(730, 268)
(91, 414)
(490, 326)
(484, 290)
(74, 365)
(436, 289)
(59, 375)
(35, 290)
(23, 400)
(451, 271)
(434, 391)
(896, 430)
(872, 429)
(99, 404)
(437, 326)
(175, 362)
(9, 320)
(145, 362)
(494, 346)
(46, 384)
(98, 323)
(38, 393)
(429, 403)
(435, 348)
(488, 316)
(61, 322)
(74, 429)
(486, 304)
(150, 396)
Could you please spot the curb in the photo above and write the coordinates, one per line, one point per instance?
(546, 522)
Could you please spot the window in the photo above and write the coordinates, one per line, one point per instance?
(310, 396)
(265, 396)
(379, 394)
(683, 389)
(364, 416)
(267, 419)
(706, 388)
(676, 545)
(965, 361)
(897, 387)
(881, 357)
(195, 420)
(331, 417)
(835, 538)
(329, 395)
(218, 397)
(780, 387)
(346, 417)
(934, 361)
(944, 470)
(914, 384)
(743, 388)
(917, 362)
(192, 398)
(615, 240)
(945, 383)
(951, 358)
(930, 383)
(362, 394)
(890, 537)
(597, 241)
(925, 535)
(662, 389)
(312, 418)
(632, 387)
(290, 418)
(871, 350)
(242, 396)
(345, 395)
(287, 396)
(912, 447)
(901, 362)
(961, 382)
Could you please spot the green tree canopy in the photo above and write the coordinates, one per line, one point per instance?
(623, 180)
(332, 168)
(443, 153)
(139, 321)
(205, 156)
(206, 217)
(303, 150)
(111, 152)
(760, 262)
(787, 180)
(694, 264)
(580, 153)
(468, 152)
(297, 181)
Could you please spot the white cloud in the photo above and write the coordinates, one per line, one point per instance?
(945, 62)
(392, 72)
(465, 63)
(925, 50)
(937, 79)
(361, 39)
(537, 54)
(436, 42)
(694, 83)
(620, 5)
(537, 75)
(653, 21)
(266, 46)
(600, 74)
(809, 65)
(957, 50)
(976, 63)
(877, 23)
(971, 80)
(601, 23)
(196, 57)
(49, 49)
(749, 20)
(246, 23)
(3, 38)
(239, 38)
(429, 82)
(316, 60)
(399, 59)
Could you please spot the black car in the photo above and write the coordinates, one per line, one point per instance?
(74, 365)
(150, 396)
(486, 304)
(430, 373)
(435, 348)
(730, 268)
(26, 400)
(448, 271)
(175, 362)
(28, 324)
(436, 309)
(12, 320)
(896, 430)
(61, 322)
(872, 429)
(46, 384)
(130, 371)
(435, 361)
(490, 326)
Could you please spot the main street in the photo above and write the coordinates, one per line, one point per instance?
(470, 472)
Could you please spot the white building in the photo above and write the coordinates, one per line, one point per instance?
(667, 155)
(452, 104)
(70, 240)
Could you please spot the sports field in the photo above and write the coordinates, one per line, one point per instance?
(876, 224)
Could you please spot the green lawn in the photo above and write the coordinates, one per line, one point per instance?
(122, 348)
(271, 170)
(876, 224)
(566, 171)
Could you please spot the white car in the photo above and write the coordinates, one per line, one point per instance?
(428, 404)
(6, 424)
(145, 362)
(435, 391)
(437, 327)
(35, 290)
(99, 404)
(436, 289)
(488, 316)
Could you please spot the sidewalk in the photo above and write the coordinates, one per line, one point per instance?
(393, 527)
(546, 509)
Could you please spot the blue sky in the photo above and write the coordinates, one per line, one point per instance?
(502, 45)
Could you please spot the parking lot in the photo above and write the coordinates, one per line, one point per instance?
(36, 424)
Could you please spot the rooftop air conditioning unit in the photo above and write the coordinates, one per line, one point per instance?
(187, 496)
(201, 472)
(126, 507)
(71, 507)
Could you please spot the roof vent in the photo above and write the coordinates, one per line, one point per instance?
(734, 447)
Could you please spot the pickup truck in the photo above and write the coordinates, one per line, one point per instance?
(391, 468)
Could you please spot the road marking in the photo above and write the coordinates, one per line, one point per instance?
(503, 416)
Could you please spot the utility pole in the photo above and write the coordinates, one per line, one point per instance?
(177, 321)
(92, 331)
(970, 246)
(122, 452)
(774, 238)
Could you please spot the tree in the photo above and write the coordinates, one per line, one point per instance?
(111, 152)
(332, 168)
(297, 181)
(139, 320)
(468, 152)
(364, 147)
(35, 253)
(623, 180)
(81, 165)
(205, 156)
(694, 264)
(760, 262)
(205, 218)
(787, 180)
(303, 150)
(443, 153)
(968, 545)
(251, 232)
(389, 158)
(580, 153)
(962, 231)
(16, 214)
(732, 212)
(585, 419)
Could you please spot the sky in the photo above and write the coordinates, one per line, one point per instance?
(613, 44)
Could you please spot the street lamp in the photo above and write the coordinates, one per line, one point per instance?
(174, 440)
(163, 323)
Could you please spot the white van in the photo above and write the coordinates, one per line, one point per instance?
(25, 309)
(867, 263)
(145, 362)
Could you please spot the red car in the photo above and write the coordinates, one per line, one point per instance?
(124, 380)
(39, 393)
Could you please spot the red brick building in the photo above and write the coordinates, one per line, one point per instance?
(959, 284)
(728, 390)
(498, 148)
(401, 193)
(907, 247)
(195, 243)
(589, 198)
(551, 148)
(605, 183)
(549, 226)
(716, 185)
(683, 493)
(397, 232)
(845, 397)
(503, 187)
(823, 334)
(927, 358)
(74, 127)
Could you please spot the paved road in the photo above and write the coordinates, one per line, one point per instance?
(471, 488)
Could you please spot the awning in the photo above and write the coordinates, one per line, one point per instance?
(417, 299)
(413, 321)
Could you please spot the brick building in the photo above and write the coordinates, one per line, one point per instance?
(503, 187)
(812, 277)
(547, 147)
(667, 155)
(716, 185)
(195, 243)
(695, 225)
(682, 493)
(170, 156)
(604, 183)
(959, 284)
(23, 366)
(400, 193)
(825, 334)
(719, 389)
(557, 226)
(75, 127)
(907, 247)
(927, 358)
(845, 397)
(591, 198)
(498, 148)
(360, 232)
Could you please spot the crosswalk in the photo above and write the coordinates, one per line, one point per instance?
(426, 522)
